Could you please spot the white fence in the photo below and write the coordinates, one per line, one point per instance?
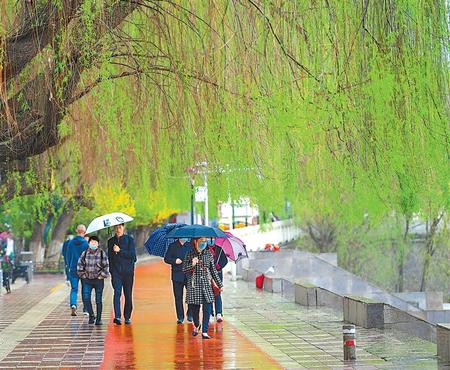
(256, 237)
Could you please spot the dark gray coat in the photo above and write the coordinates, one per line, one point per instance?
(199, 277)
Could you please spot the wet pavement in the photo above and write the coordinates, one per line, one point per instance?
(42, 334)
(155, 341)
(311, 338)
(261, 331)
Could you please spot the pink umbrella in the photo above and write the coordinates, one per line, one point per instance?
(233, 247)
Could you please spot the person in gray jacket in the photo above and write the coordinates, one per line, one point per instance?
(93, 269)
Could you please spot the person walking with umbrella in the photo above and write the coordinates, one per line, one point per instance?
(122, 258)
(175, 256)
(220, 261)
(200, 270)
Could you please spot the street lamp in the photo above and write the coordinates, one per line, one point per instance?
(192, 171)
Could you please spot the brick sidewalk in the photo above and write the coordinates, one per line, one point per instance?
(14, 305)
(59, 340)
(261, 330)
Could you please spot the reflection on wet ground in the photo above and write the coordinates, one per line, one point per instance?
(154, 340)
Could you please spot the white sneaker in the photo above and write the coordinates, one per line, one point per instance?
(219, 317)
(211, 319)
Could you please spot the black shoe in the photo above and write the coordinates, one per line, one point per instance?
(98, 322)
(180, 321)
(128, 321)
(91, 319)
(195, 333)
(117, 322)
(205, 336)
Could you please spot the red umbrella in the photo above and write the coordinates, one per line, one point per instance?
(233, 247)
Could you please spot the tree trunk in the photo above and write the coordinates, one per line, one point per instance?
(401, 257)
(53, 252)
(29, 119)
(400, 277)
(323, 235)
(142, 234)
(19, 246)
(429, 249)
(425, 268)
(36, 242)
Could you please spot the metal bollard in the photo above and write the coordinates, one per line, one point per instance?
(349, 334)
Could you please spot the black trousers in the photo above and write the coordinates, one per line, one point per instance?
(178, 288)
(123, 282)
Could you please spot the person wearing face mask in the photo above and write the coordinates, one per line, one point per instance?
(175, 255)
(93, 268)
(200, 270)
(220, 261)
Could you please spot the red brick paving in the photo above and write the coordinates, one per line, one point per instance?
(155, 341)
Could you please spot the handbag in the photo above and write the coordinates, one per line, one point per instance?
(215, 288)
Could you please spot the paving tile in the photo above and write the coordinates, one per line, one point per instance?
(263, 330)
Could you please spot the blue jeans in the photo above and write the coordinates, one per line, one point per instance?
(123, 282)
(74, 279)
(216, 307)
(88, 286)
(195, 311)
(218, 300)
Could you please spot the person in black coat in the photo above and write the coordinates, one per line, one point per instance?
(175, 256)
(122, 258)
(220, 261)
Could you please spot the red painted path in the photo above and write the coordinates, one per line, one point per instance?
(155, 341)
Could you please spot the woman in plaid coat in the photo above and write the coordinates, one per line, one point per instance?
(200, 270)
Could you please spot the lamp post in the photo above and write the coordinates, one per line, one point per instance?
(192, 200)
(205, 178)
(192, 171)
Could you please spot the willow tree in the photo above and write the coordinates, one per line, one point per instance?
(340, 107)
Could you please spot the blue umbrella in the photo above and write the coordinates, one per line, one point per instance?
(197, 231)
(158, 241)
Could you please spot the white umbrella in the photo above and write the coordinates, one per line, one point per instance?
(108, 220)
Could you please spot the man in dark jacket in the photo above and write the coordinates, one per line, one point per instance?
(175, 256)
(122, 258)
(74, 249)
